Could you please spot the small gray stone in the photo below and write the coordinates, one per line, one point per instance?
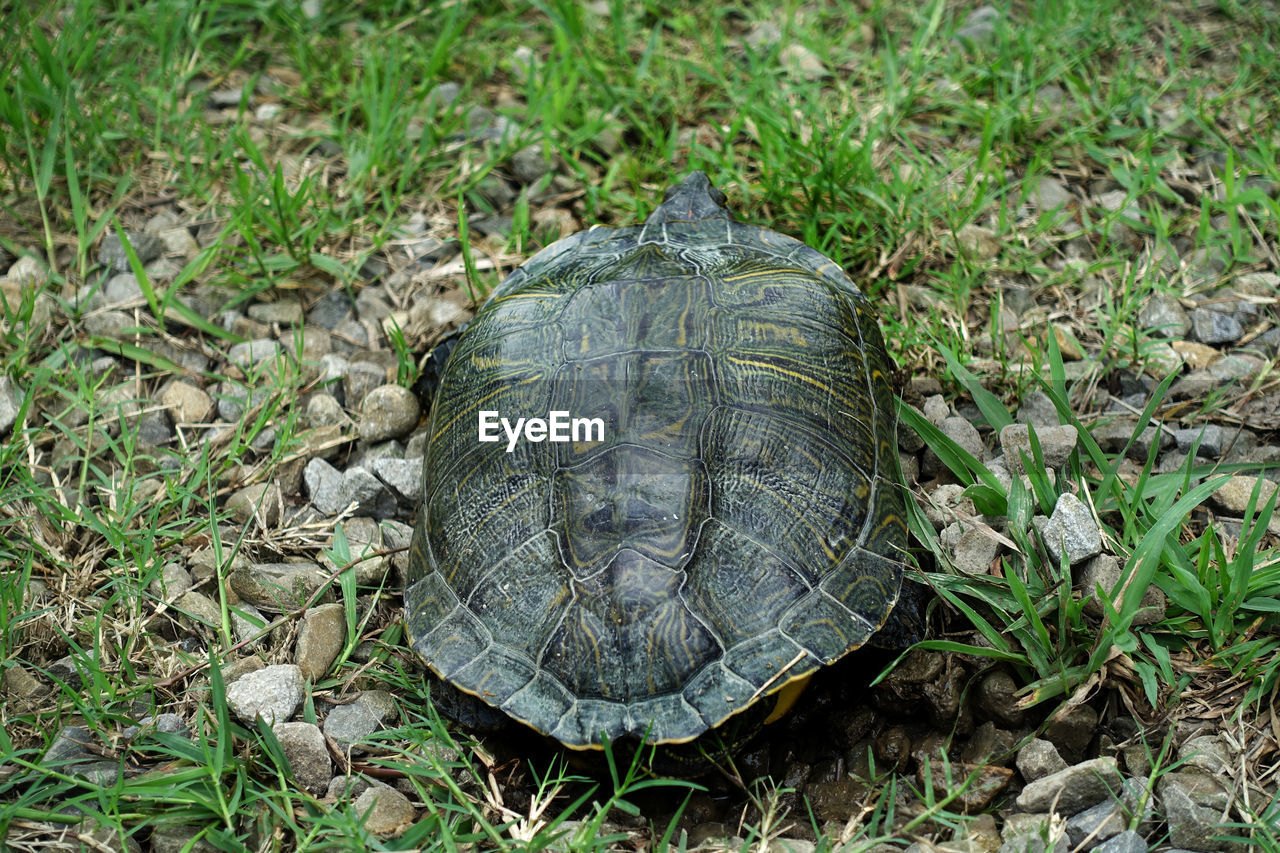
(331, 309)
(935, 410)
(963, 434)
(1164, 317)
(355, 721)
(974, 551)
(988, 742)
(316, 343)
(260, 502)
(495, 190)
(173, 582)
(273, 693)
(70, 754)
(802, 63)
(200, 608)
(1136, 759)
(254, 352)
(1038, 759)
(979, 25)
(978, 243)
(231, 400)
(304, 746)
(154, 428)
(180, 838)
(403, 477)
(1128, 841)
(247, 621)
(791, 845)
(87, 299)
(236, 669)
(320, 639)
(229, 97)
(279, 587)
(385, 810)
(1056, 444)
(350, 336)
(72, 745)
(1195, 807)
(1233, 497)
(28, 272)
(1114, 201)
(360, 380)
(204, 564)
(325, 410)
(96, 836)
(1113, 436)
(390, 411)
(523, 61)
(187, 403)
(367, 493)
(331, 371)
(529, 164)
(909, 441)
(121, 403)
(169, 724)
(1205, 264)
(324, 485)
(946, 505)
(1074, 789)
(265, 440)
(1049, 193)
(1215, 327)
(1263, 284)
(764, 33)
(165, 270)
(1032, 833)
(346, 788)
(1072, 531)
(161, 723)
(111, 251)
(372, 304)
(323, 442)
(1071, 729)
(10, 404)
(1213, 440)
(17, 682)
(1203, 788)
(1037, 410)
(284, 312)
(1234, 368)
(122, 290)
(1097, 823)
(1210, 753)
(1104, 570)
(179, 241)
(998, 697)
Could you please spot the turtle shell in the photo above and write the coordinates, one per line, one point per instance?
(731, 526)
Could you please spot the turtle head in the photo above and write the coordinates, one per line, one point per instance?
(693, 200)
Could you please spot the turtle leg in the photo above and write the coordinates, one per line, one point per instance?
(905, 625)
(431, 369)
(465, 709)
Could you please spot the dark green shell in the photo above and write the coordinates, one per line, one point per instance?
(738, 527)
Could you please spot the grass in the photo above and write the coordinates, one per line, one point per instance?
(886, 153)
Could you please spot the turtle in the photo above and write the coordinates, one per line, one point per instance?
(661, 484)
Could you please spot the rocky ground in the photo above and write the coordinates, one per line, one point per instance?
(1083, 778)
